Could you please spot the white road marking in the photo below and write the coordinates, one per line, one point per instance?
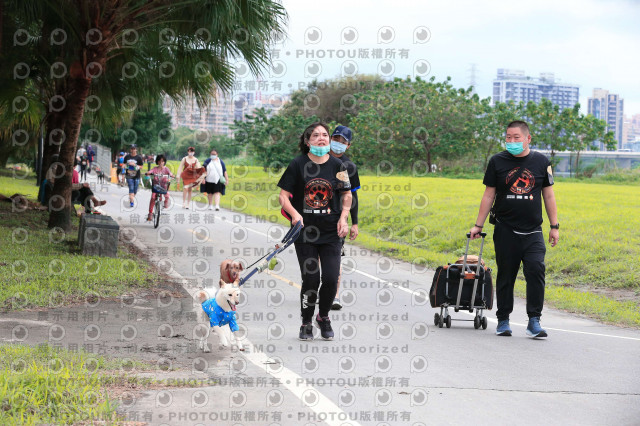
(296, 384)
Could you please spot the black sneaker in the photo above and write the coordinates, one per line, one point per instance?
(325, 327)
(306, 332)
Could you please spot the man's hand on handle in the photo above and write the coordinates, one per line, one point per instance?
(475, 232)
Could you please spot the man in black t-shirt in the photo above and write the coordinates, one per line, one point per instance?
(340, 143)
(132, 164)
(516, 180)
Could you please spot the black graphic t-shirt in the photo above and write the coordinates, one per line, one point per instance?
(519, 182)
(129, 163)
(316, 190)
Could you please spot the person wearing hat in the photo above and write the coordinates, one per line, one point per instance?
(340, 143)
(133, 163)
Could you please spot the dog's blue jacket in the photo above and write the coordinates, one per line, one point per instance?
(218, 316)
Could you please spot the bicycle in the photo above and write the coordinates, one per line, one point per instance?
(160, 187)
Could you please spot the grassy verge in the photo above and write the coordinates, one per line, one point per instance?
(39, 385)
(45, 385)
(425, 221)
(42, 268)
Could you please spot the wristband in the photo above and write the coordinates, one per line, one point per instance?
(477, 226)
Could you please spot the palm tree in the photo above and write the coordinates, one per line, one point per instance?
(116, 49)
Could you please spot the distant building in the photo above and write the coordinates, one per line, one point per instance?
(631, 132)
(514, 85)
(219, 115)
(610, 108)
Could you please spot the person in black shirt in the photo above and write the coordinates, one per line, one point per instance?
(515, 181)
(340, 143)
(315, 190)
(132, 165)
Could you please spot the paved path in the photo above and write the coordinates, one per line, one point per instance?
(388, 363)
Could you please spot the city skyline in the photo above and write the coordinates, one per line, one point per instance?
(589, 43)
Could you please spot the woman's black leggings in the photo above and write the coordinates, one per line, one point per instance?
(329, 255)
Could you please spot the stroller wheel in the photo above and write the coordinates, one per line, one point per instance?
(436, 319)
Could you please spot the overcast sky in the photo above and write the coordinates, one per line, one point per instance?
(587, 42)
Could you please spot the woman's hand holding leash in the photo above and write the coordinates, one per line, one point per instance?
(295, 218)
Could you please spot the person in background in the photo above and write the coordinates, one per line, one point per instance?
(516, 180)
(340, 142)
(84, 162)
(216, 179)
(80, 192)
(133, 163)
(160, 169)
(190, 171)
(120, 170)
(90, 157)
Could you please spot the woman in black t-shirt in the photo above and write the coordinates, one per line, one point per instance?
(315, 190)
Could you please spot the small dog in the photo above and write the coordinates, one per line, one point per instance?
(230, 271)
(100, 176)
(219, 310)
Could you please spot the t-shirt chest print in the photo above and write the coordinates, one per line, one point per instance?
(523, 185)
(317, 194)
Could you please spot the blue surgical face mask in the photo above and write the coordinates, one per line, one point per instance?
(515, 148)
(213, 157)
(319, 150)
(337, 147)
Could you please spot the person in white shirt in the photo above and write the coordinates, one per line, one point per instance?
(216, 179)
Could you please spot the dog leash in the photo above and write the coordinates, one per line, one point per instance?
(284, 241)
(290, 237)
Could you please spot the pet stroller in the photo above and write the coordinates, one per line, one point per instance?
(465, 284)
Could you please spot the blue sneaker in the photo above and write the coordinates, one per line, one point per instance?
(534, 329)
(131, 204)
(503, 328)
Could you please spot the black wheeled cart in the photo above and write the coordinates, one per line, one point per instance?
(465, 285)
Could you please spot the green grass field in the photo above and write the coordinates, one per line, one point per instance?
(43, 268)
(425, 220)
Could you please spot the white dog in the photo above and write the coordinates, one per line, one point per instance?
(218, 310)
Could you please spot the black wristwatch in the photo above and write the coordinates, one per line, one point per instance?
(556, 226)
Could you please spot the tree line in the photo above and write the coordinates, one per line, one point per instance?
(413, 125)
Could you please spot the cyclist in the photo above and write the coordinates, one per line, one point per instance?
(158, 179)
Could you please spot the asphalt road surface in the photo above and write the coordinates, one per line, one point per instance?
(388, 364)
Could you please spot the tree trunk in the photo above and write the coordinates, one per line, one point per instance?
(61, 207)
(429, 161)
(51, 140)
